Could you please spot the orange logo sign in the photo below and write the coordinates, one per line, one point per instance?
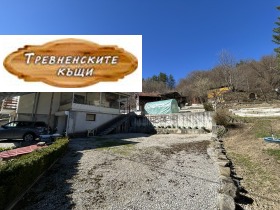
(71, 63)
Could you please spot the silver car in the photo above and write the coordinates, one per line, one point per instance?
(26, 130)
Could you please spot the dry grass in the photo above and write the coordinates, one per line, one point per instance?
(255, 162)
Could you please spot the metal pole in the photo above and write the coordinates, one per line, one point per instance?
(50, 112)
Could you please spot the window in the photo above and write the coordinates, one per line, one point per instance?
(11, 125)
(90, 117)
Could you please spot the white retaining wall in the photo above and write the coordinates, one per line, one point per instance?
(178, 120)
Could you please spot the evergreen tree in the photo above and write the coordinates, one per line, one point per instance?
(162, 77)
(276, 38)
(171, 82)
(155, 78)
(162, 82)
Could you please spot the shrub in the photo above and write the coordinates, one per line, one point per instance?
(5, 148)
(222, 117)
(18, 174)
(208, 106)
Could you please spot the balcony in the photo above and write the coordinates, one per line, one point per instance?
(108, 103)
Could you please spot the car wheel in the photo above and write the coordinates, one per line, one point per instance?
(28, 137)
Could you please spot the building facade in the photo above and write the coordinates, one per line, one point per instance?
(72, 112)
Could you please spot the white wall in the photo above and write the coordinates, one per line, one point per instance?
(77, 121)
(192, 120)
(61, 123)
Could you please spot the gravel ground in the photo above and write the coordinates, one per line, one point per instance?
(130, 171)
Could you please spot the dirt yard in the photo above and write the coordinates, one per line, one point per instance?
(256, 161)
(130, 171)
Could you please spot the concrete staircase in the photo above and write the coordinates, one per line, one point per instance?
(119, 124)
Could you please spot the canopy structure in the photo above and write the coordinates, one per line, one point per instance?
(162, 107)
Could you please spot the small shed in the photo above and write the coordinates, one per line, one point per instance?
(162, 107)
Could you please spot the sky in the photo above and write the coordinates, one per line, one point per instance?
(179, 36)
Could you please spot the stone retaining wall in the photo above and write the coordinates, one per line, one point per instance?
(229, 190)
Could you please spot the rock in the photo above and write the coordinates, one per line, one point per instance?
(217, 145)
(220, 150)
(222, 157)
(228, 186)
(224, 163)
(214, 138)
(224, 171)
(226, 202)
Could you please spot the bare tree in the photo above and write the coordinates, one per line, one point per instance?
(196, 85)
(150, 85)
(227, 64)
(266, 71)
(201, 85)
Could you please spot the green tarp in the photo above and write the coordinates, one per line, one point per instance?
(162, 107)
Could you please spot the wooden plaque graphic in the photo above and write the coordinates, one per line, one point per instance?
(71, 63)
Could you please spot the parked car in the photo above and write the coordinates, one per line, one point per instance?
(26, 130)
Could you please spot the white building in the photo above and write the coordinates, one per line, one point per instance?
(72, 112)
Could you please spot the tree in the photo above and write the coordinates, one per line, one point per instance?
(227, 64)
(276, 38)
(162, 77)
(150, 85)
(195, 85)
(200, 87)
(171, 82)
(159, 83)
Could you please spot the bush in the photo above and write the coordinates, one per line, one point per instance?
(222, 117)
(208, 106)
(2, 149)
(18, 174)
